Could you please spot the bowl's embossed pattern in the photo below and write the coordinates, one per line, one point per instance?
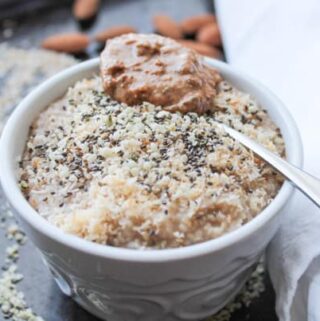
(185, 299)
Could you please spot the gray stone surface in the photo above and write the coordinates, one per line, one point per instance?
(30, 28)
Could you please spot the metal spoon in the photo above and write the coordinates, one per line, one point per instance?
(306, 183)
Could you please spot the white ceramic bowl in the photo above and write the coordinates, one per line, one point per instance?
(117, 284)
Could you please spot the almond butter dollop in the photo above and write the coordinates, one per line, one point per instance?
(138, 68)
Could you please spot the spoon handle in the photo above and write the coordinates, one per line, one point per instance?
(306, 183)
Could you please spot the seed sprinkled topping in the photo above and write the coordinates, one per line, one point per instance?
(145, 177)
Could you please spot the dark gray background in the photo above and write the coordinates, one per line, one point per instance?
(34, 20)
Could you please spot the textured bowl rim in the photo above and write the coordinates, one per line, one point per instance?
(23, 208)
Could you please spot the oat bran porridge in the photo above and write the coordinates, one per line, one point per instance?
(143, 177)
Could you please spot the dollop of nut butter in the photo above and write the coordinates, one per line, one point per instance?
(138, 68)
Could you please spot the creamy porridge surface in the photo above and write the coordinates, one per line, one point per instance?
(143, 177)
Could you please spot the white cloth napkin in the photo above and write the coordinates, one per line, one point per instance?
(278, 42)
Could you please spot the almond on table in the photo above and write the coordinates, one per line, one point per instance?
(193, 24)
(85, 9)
(166, 26)
(67, 42)
(202, 48)
(210, 34)
(114, 32)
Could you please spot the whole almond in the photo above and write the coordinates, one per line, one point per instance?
(68, 42)
(85, 9)
(193, 24)
(202, 48)
(210, 35)
(167, 27)
(112, 32)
